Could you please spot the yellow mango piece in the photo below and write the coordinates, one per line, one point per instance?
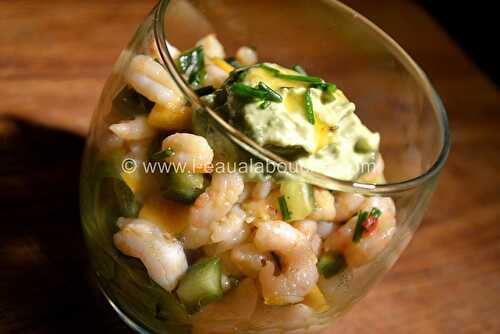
(170, 118)
(170, 216)
(316, 300)
(222, 64)
(132, 180)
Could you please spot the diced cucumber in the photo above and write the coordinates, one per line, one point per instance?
(331, 264)
(183, 187)
(146, 300)
(125, 199)
(107, 179)
(201, 284)
(130, 103)
(299, 199)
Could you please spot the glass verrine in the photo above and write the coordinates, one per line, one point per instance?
(151, 96)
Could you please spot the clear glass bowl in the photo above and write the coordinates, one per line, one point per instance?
(392, 96)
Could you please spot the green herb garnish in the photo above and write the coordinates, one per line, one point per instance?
(204, 90)
(292, 77)
(271, 94)
(326, 87)
(375, 213)
(270, 69)
(309, 106)
(192, 64)
(359, 229)
(328, 91)
(161, 155)
(304, 78)
(299, 69)
(365, 223)
(261, 92)
(284, 208)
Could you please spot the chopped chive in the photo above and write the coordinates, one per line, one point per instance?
(204, 90)
(265, 104)
(309, 106)
(326, 87)
(292, 77)
(261, 92)
(375, 213)
(359, 229)
(299, 69)
(328, 91)
(366, 223)
(284, 208)
(247, 91)
(270, 69)
(161, 155)
(271, 94)
(303, 78)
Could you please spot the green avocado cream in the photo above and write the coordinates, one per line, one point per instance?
(299, 117)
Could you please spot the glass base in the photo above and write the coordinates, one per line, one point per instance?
(125, 318)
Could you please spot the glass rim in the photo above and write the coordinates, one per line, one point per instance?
(314, 177)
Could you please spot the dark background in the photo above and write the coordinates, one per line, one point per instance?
(475, 27)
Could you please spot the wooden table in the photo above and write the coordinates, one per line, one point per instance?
(53, 62)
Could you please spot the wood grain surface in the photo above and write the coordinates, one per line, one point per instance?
(54, 58)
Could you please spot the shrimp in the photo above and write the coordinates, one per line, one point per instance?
(263, 209)
(324, 205)
(384, 204)
(220, 196)
(228, 267)
(246, 56)
(218, 236)
(150, 48)
(262, 189)
(295, 319)
(136, 129)
(310, 229)
(151, 80)
(161, 254)
(245, 194)
(248, 259)
(347, 205)
(230, 314)
(191, 152)
(174, 52)
(361, 252)
(212, 47)
(229, 227)
(195, 237)
(298, 275)
(228, 232)
(215, 76)
(325, 228)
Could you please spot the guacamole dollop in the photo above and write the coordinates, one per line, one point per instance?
(299, 117)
